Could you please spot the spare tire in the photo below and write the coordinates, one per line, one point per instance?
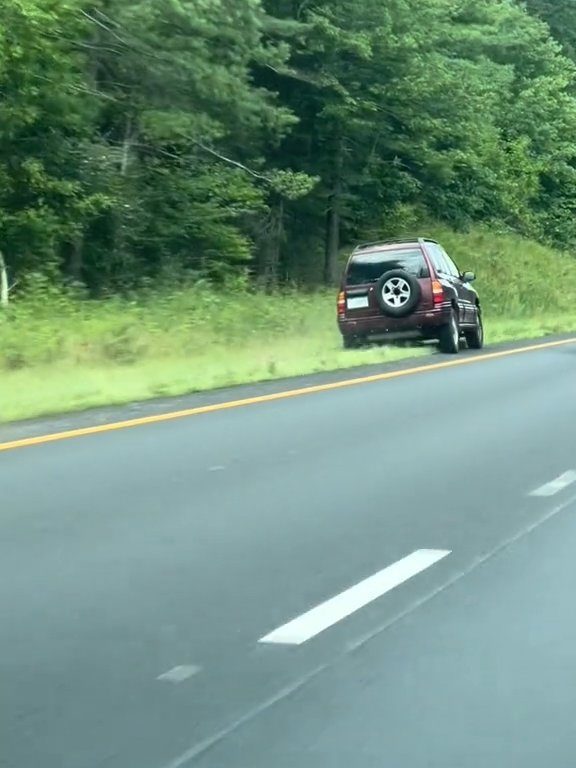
(398, 293)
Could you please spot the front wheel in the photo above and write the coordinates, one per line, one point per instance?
(475, 337)
(449, 337)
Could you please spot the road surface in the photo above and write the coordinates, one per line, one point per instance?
(378, 575)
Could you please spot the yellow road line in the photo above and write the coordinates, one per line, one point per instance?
(183, 414)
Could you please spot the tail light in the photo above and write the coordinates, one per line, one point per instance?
(437, 292)
(341, 304)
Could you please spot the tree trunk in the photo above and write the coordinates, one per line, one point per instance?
(332, 245)
(332, 250)
(3, 282)
(269, 263)
(118, 220)
(126, 147)
(76, 261)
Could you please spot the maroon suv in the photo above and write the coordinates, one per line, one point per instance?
(408, 289)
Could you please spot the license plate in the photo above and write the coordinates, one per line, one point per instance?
(356, 302)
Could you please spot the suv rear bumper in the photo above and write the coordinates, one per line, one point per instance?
(420, 325)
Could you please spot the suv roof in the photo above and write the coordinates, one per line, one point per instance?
(384, 244)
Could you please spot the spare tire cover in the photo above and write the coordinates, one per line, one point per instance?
(398, 293)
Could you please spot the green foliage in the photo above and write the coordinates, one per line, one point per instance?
(144, 138)
(464, 110)
(560, 15)
(45, 116)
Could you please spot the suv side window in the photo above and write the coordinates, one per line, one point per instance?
(452, 268)
(437, 258)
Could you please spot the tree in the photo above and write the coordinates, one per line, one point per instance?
(461, 109)
(45, 118)
(185, 125)
(560, 16)
(150, 138)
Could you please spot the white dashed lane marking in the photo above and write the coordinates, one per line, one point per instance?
(179, 674)
(556, 486)
(325, 615)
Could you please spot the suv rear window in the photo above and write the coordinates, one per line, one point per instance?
(369, 267)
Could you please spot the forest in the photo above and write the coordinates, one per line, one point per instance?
(153, 141)
(181, 181)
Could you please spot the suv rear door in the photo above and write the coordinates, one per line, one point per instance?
(366, 267)
(448, 274)
(467, 294)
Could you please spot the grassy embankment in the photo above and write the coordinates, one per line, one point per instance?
(58, 355)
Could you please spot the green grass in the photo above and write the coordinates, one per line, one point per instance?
(98, 353)
(59, 354)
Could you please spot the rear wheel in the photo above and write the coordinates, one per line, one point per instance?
(475, 336)
(352, 342)
(449, 337)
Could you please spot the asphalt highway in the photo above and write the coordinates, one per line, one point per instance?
(375, 575)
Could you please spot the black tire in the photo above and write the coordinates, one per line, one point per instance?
(400, 287)
(475, 336)
(352, 342)
(449, 336)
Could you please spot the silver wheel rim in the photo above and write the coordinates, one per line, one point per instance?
(396, 292)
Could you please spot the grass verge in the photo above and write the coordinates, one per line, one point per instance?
(59, 354)
(54, 389)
